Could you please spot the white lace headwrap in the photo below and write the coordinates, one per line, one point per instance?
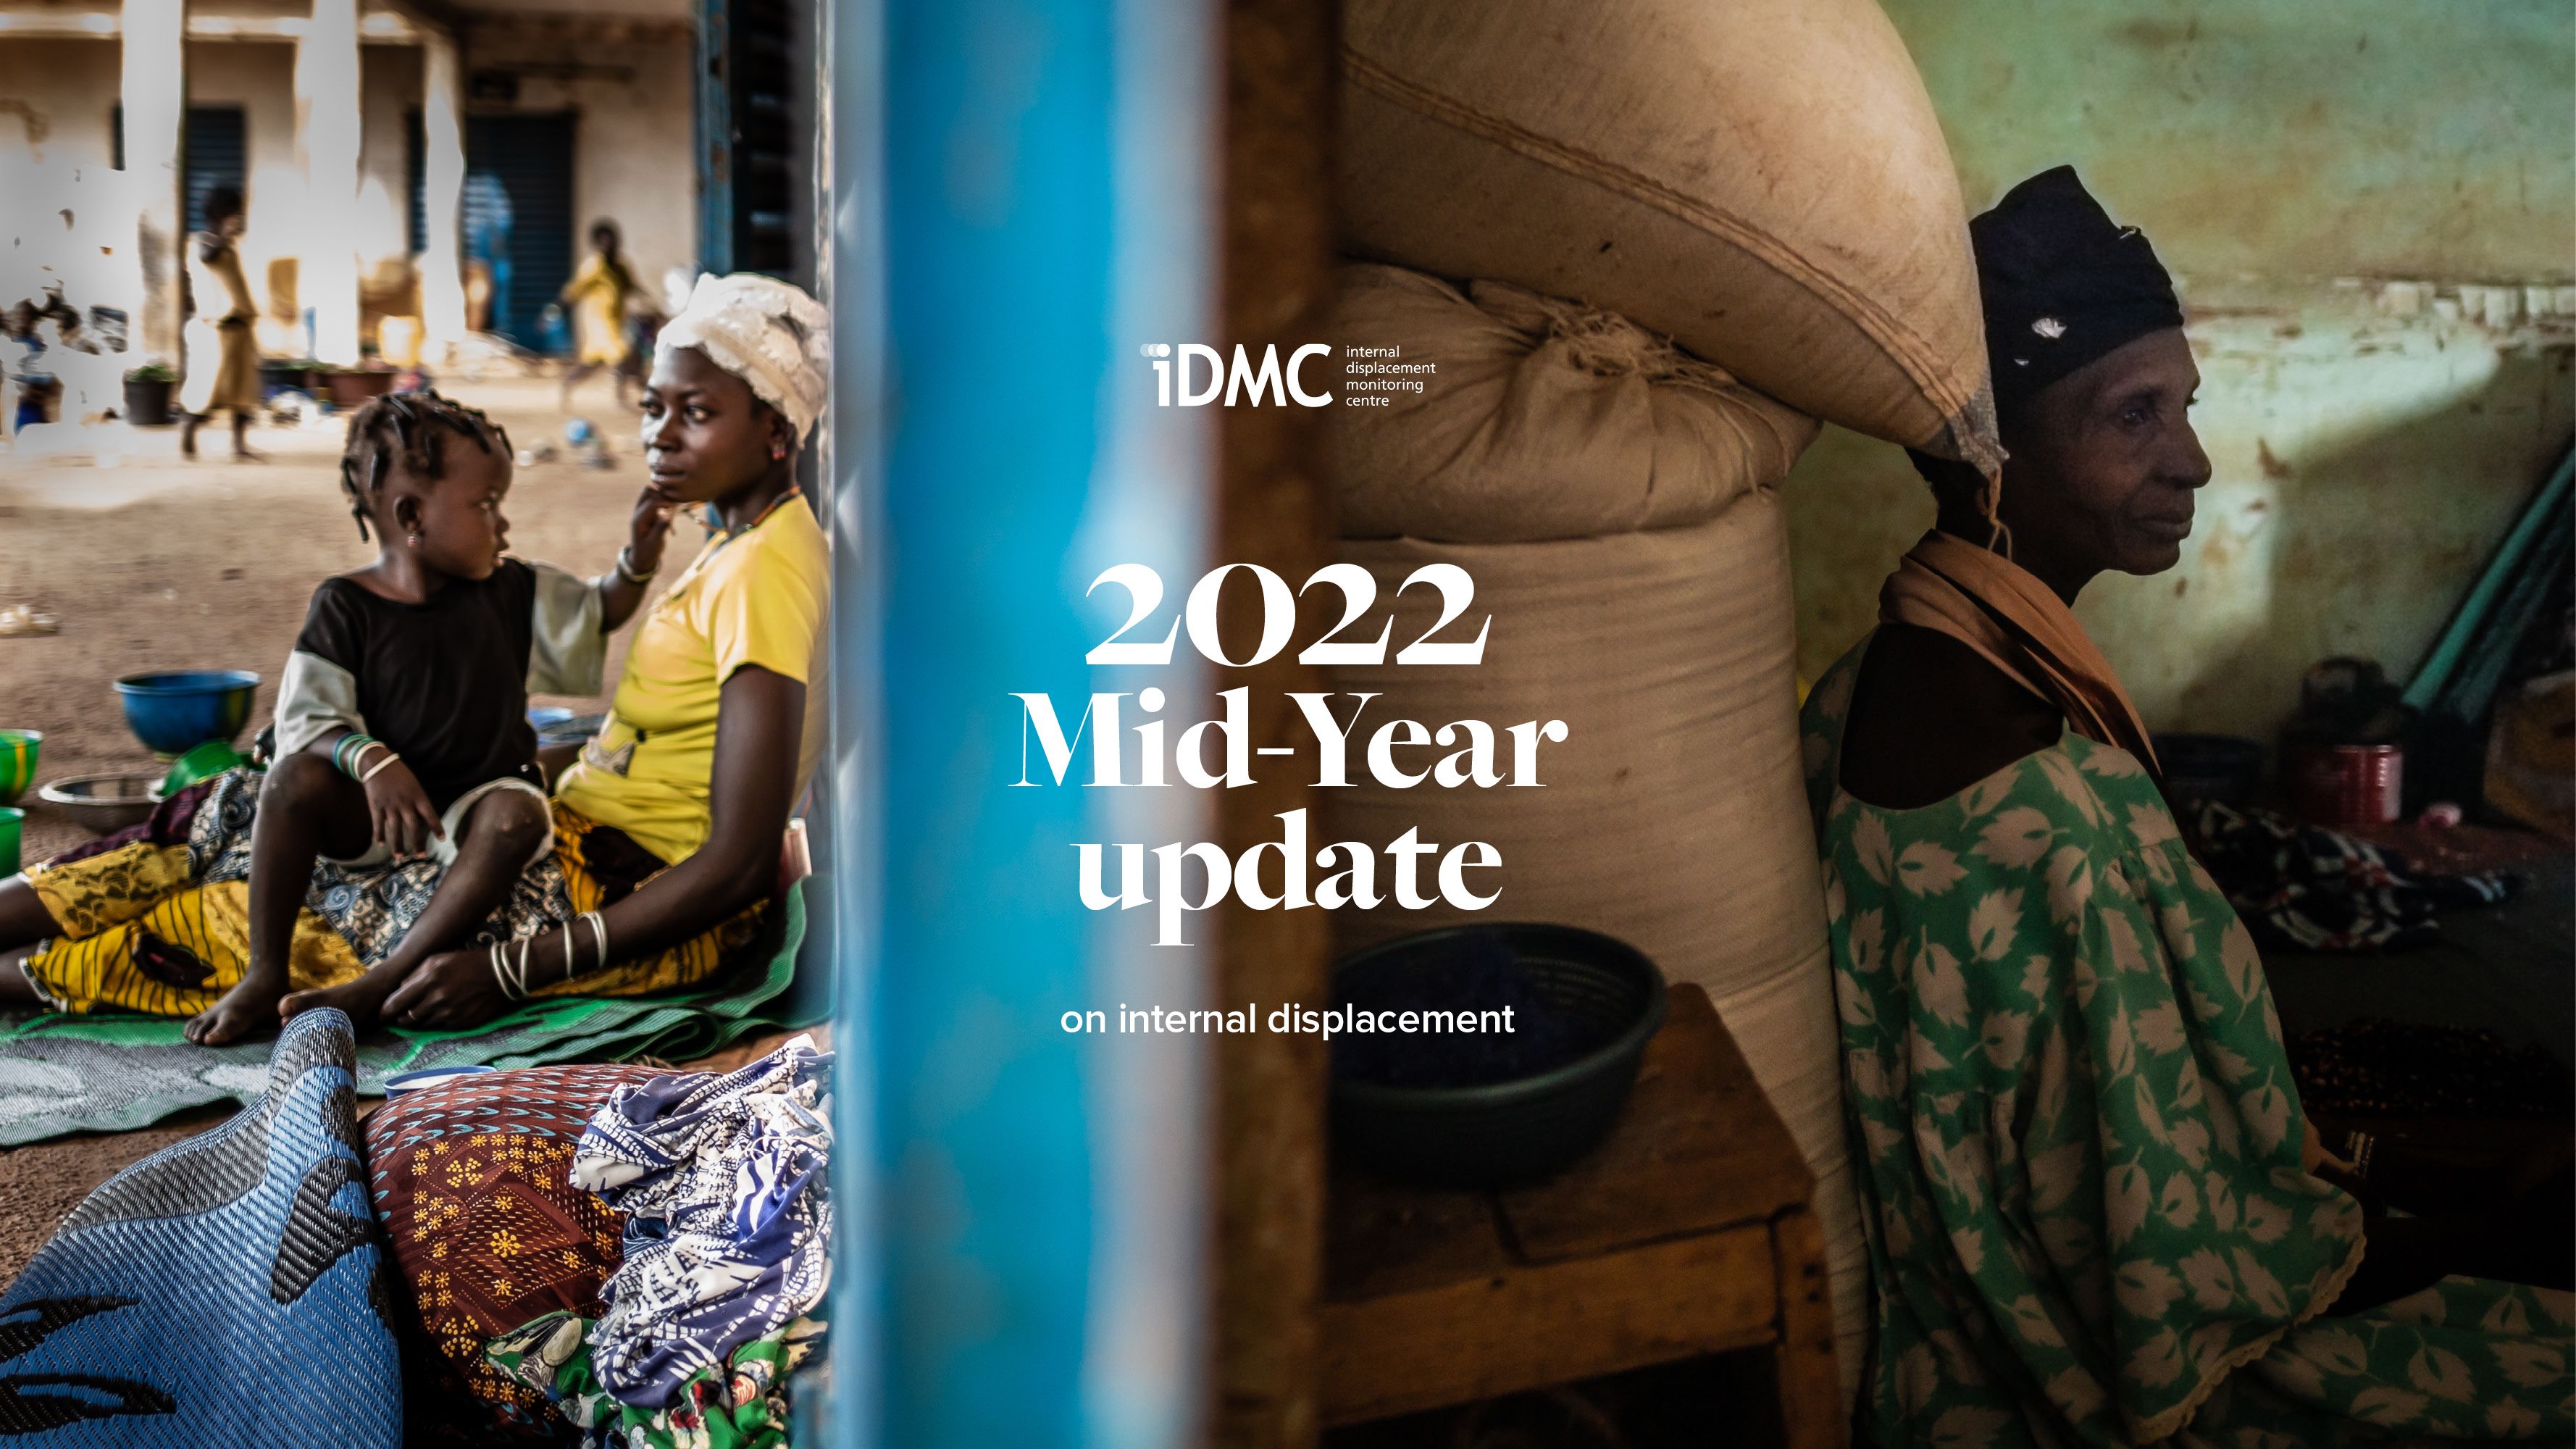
(767, 332)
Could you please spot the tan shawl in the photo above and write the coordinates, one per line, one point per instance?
(2020, 626)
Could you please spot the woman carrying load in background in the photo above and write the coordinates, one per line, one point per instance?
(2096, 1212)
(669, 829)
(223, 359)
(598, 295)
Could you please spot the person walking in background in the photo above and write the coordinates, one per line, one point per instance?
(223, 361)
(598, 295)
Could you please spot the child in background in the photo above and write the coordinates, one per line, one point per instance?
(402, 717)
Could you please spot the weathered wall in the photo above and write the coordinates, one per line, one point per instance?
(2370, 444)
(388, 92)
(632, 146)
(55, 97)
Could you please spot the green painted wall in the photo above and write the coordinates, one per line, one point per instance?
(2291, 161)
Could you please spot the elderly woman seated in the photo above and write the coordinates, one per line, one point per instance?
(2095, 1210)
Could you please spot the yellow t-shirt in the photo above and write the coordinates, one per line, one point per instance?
(755, 597)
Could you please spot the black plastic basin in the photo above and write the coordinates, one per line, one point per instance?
(1601, 994)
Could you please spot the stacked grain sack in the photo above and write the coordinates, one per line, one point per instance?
(1763, 183)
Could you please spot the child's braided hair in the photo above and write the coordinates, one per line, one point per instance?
(410, 427)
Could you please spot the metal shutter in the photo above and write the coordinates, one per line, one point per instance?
(214, 148)
(519, 216)
(214, 151)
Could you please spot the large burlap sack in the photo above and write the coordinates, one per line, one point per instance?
(1674, 814)
(1761, 180)
(1544, 419)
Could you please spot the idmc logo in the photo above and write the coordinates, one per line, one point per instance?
(1241, 380)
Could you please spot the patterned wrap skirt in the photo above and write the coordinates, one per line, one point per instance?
(156, 918)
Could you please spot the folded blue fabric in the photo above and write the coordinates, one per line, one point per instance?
(229, 1289)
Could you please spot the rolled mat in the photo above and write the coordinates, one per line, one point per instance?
(229, 1289)
(113, 1072)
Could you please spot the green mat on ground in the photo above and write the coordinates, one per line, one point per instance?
(111, 1072)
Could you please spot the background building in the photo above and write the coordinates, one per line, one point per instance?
(396, 156)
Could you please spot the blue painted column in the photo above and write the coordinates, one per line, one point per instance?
(712, 65)
(1021, 199)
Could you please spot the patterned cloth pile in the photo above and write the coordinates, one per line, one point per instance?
(729, 1215)
(741, 1405)
(723, 1185)
(469, 1180)
(2306, 888)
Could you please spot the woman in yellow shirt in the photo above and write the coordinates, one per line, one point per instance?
(668, 831)
(669, 827)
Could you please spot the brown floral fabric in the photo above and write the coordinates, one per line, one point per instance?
(469, 1179)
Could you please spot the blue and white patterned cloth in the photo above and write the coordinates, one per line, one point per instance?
(726, 1185)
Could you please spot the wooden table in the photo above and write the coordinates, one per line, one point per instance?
(1686, 1232)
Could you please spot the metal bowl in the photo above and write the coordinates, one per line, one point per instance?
(102, 804)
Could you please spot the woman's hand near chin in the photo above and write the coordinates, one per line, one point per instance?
(622, 589)
(649, 528)
(450, 990)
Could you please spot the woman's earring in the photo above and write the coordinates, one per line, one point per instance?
(415, 538)
(777, 451)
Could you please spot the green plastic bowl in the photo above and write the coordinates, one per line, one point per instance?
(18, 751)
(204, 762)
(9, 827)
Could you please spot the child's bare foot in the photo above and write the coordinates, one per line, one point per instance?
(248, 1007)
(363, 999)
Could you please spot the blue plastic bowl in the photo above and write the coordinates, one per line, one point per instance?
(174, 711)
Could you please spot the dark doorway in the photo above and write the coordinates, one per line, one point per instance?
(519, 218)
(214, 150)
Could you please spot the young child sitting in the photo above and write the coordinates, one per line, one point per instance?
(402, 725)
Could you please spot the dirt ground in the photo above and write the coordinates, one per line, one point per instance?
(157, 562)
(152, 561)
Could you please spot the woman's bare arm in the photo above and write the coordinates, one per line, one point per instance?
(760, 719)
(760, 722)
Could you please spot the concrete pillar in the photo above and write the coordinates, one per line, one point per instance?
(155, 97)
(328, 129)
(442, 137)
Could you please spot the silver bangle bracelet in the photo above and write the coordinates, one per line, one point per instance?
(500, 973)
(599, 937)
(626, 568)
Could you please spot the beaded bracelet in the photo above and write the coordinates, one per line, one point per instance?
(352, 741)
